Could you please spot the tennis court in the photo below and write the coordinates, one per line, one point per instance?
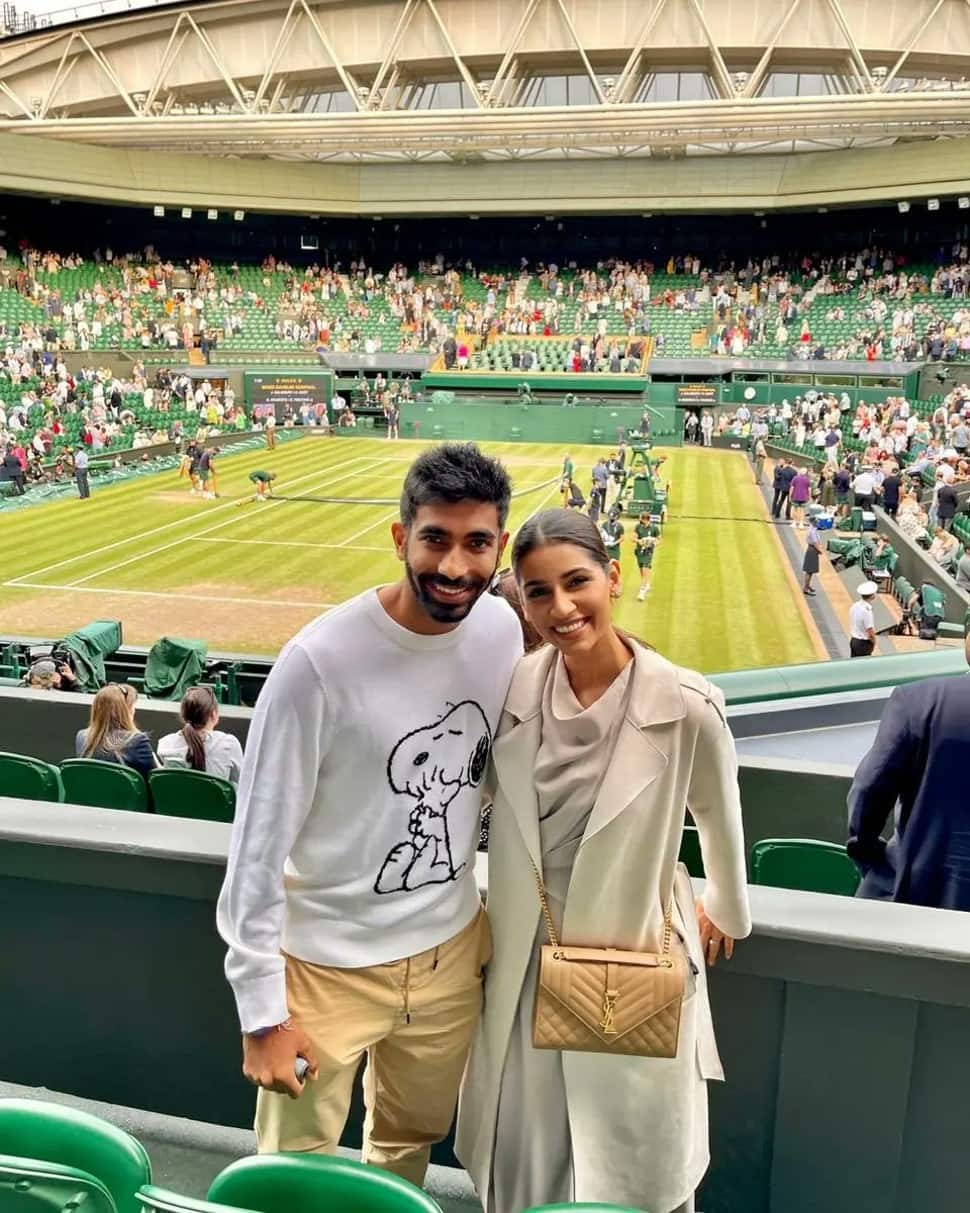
(246, 575)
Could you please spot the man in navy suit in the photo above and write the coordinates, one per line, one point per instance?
(918, 765)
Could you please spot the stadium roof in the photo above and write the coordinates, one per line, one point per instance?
(479, 80)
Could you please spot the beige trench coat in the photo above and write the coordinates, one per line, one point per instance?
(638, 1125)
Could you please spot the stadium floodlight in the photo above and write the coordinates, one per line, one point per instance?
(932, 204)
(239, 216)
(158, 212)
(903, 208)
(186, 212)
(211, 214)
(963, 202)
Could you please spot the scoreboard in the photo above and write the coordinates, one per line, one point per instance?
(285, 392)
(703, 394)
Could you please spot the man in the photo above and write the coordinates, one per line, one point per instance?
(916, 770)
(707, 426)
(862, 625)
(781, 484)
(601, 480)
(207, 472)
(864, 489)
(646, 537)
(947, 504)
(833, 440)
(264, 484)
(350, 904)
(613, 531)
(566, 476)
(81, 473)
(270, 429)
(760, 455)
(891, 486)
(13, 471)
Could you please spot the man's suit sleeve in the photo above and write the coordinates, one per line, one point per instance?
(880, 775)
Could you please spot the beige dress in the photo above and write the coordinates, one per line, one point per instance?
(533, 1151)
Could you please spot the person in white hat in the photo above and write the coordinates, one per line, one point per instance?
(862, 625)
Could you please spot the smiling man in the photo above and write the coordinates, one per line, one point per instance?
(350, 906)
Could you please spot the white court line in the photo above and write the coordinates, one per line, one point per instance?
(301, 543)
(205, 531)
(46, 568)
(385, 518)
(261, 602)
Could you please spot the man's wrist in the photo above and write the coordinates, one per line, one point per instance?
(285, 1026)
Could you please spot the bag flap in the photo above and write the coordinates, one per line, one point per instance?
(604, 956)
(579, 988)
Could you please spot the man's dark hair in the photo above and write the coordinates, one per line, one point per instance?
(453, 472)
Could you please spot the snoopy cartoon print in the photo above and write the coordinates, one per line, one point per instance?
(431, 765)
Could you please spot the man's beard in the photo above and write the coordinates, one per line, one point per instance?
(444, 612)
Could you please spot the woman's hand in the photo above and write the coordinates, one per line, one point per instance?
(711, 937)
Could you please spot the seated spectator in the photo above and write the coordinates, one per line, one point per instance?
(198, 745)
(944, 547)
(47, 675)
(112, 735)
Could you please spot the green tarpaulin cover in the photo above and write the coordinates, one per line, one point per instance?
(173, 666)
(88, 647)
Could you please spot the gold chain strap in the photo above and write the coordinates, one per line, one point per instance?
(551, 929)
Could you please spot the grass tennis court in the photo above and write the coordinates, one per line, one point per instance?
(245, 576)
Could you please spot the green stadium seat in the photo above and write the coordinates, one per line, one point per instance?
(690, 852)
(158, 1200)
(290, 1183)
(103, 785)
(803, 863)
(35, 1129)
(30, 1185)
(30, 779)
(194, 794)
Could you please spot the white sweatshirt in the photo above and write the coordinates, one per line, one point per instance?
(359, 803)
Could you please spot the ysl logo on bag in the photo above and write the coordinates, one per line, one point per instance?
(609, 1006)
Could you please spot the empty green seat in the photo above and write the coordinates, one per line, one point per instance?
(34, 1129)
(177, 793)
(31, 1185)
(803, 863)
(29, 778)
(291, 1183)
(104, 785)
(158, 1200)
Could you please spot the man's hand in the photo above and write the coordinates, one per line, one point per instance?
(269, 1061)
(711, 937)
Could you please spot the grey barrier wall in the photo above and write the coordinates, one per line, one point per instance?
(842, 1024)
(777, 802)
(43, 724)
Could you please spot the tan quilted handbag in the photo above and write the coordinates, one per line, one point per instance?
(604, 1000)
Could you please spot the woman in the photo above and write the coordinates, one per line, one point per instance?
(602, 746)
(801, 495)
(813, 551)
(198, 745)
(112, 735)
(827, 488)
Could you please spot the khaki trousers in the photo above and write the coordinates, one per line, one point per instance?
(414, 1019)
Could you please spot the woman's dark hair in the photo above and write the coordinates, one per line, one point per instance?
(453, 472)
(560, 526)
(505, 586)
(198, 704)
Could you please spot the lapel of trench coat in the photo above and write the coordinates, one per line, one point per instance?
(639, 756)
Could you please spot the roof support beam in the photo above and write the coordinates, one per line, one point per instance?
(389, 62)
(722, 77)
(862, 71)
(921, 29)
(761, 70)
(325, 42)
(466, 75)
(507, 66)
(597, 88)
